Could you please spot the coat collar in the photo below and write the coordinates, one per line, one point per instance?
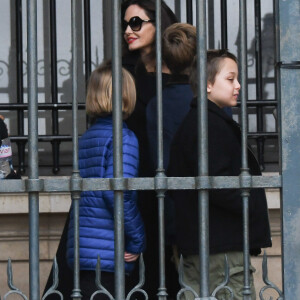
(178, 79)
(107, 120)
(212, 107)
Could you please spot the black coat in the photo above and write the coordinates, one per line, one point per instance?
(145, 90)
(176, 100)
(225, 205)
(147, 200)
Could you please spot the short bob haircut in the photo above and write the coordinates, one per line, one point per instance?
(167, 18)
(213, 67)
(99, 92)
(179, 44)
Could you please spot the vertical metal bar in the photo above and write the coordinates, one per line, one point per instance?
(279, 121)
(211, 24)
(87, 44)
(20, 85)
(243, 76)
(118, 150)
(189, 11)
(244, 124)
(87, 38)
(259, 81)
(288, 20)
(53, 45)
(107, 29)
(224, 38)
(162, 292)
(178, 9)
(202, 147)
(76, 293)
(277, 77)
(33, 149)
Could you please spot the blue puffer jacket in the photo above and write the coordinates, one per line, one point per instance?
(96, 213)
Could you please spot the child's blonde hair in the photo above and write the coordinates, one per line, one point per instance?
(99, 92)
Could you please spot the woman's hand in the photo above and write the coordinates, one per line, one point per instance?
(129, 257)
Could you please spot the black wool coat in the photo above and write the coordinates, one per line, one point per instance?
(145, 90)
(225, 205)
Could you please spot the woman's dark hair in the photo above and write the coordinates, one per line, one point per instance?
(167, 18)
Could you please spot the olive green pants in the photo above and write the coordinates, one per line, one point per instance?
(217, 275)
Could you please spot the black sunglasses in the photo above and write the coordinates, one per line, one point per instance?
(135, 23)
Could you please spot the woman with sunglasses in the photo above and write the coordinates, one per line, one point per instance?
(139, 57)
(138, 25)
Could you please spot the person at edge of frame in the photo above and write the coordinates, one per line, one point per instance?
(225, 205)
(4, 135)
(178, 51)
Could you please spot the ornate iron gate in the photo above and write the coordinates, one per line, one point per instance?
(288, 82)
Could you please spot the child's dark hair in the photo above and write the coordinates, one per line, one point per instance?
(214, 59)
(179, 47)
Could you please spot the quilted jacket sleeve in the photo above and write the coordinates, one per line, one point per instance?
(133, 224)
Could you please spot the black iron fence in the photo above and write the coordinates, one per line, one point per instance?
(286, 180)
(55, 106)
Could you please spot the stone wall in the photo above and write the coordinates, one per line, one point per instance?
(14, 236)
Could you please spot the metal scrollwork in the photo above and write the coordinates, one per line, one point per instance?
(101, 289)
(13, 289)
(269, 284)
(52, 289)
(138, 287)
(41, 67)
(250, 62)
(24, 68)
(63, 67)
(2, 62)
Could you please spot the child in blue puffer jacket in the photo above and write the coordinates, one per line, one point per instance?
(96, 213)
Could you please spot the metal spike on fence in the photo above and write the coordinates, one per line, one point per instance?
(223, 285)
(184, 287)
(269, 284)
(101, 289)
(138, 287)
(13, 289)
(52, 289)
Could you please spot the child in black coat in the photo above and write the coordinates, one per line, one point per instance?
(178, 51)
(225, 205)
